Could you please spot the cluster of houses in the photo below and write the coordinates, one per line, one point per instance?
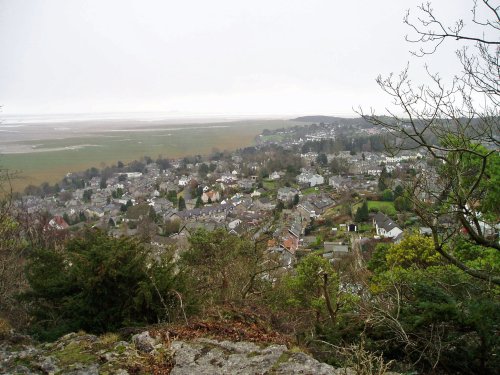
(234, 195)
(229, 199)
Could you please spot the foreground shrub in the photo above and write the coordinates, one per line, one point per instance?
(98, 283)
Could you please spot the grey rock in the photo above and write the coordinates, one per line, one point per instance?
(144, 342)
(201, 356)
(48, 365)
(92, 369)
(22, 370)
(69, 336)
(29, 351)
(109, 356)
(301, 363)
(207, 357)
(87, 337)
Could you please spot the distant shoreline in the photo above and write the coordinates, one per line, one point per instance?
(132, 117)
(23, 133)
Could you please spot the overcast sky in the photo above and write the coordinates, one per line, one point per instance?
(252, 57)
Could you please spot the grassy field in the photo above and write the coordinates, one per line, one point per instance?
(269, 184)
(385, 207)
(53, 158)
(272, 138)
(309, 191)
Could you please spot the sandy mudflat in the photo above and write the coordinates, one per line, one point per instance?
(15, 148)
(19, 138)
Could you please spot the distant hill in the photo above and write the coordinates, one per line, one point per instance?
(339, 120)
(332, 120)
(318, 118)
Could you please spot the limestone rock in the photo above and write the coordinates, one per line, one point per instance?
(207, 357)
(144, 342)
(48, 365)
(82, 354)
(92, 369)
(22, 370)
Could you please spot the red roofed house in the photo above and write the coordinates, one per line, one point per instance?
(58, 223)
(212, 195)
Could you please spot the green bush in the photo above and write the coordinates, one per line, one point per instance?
(449, 319)
(99, 284)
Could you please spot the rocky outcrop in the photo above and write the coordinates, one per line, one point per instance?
(208, 357)
(82, 354)
(145, 353)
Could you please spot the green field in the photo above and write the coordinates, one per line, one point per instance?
(309, 191)
(107, 147)
(269, 184)
(385, 207)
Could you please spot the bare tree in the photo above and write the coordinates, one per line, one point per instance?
(12, 255)
(480, 67)
(456, 126)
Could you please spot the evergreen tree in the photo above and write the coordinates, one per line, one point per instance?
(203, 170)
(172, 197)
(398, 191)
(152, 214)
(362, 213)
(322, 160)
(66, 218)
(387, 195)
(182, 204)
(199, 203)
(87, 194)
(279, 206)
(383, 182)
(103, 183)
(111, 283)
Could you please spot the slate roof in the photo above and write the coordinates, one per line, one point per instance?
(205, 211)
(323, 202)
(384, 222)
(308, 207)
(334, 247)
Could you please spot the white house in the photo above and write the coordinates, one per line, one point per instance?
(255, 194)
(312, 179)
(385, 226)
(184, 180)
(374, 172)
(287, 193)
(233, 224)
(131, 175)
(274, 176)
